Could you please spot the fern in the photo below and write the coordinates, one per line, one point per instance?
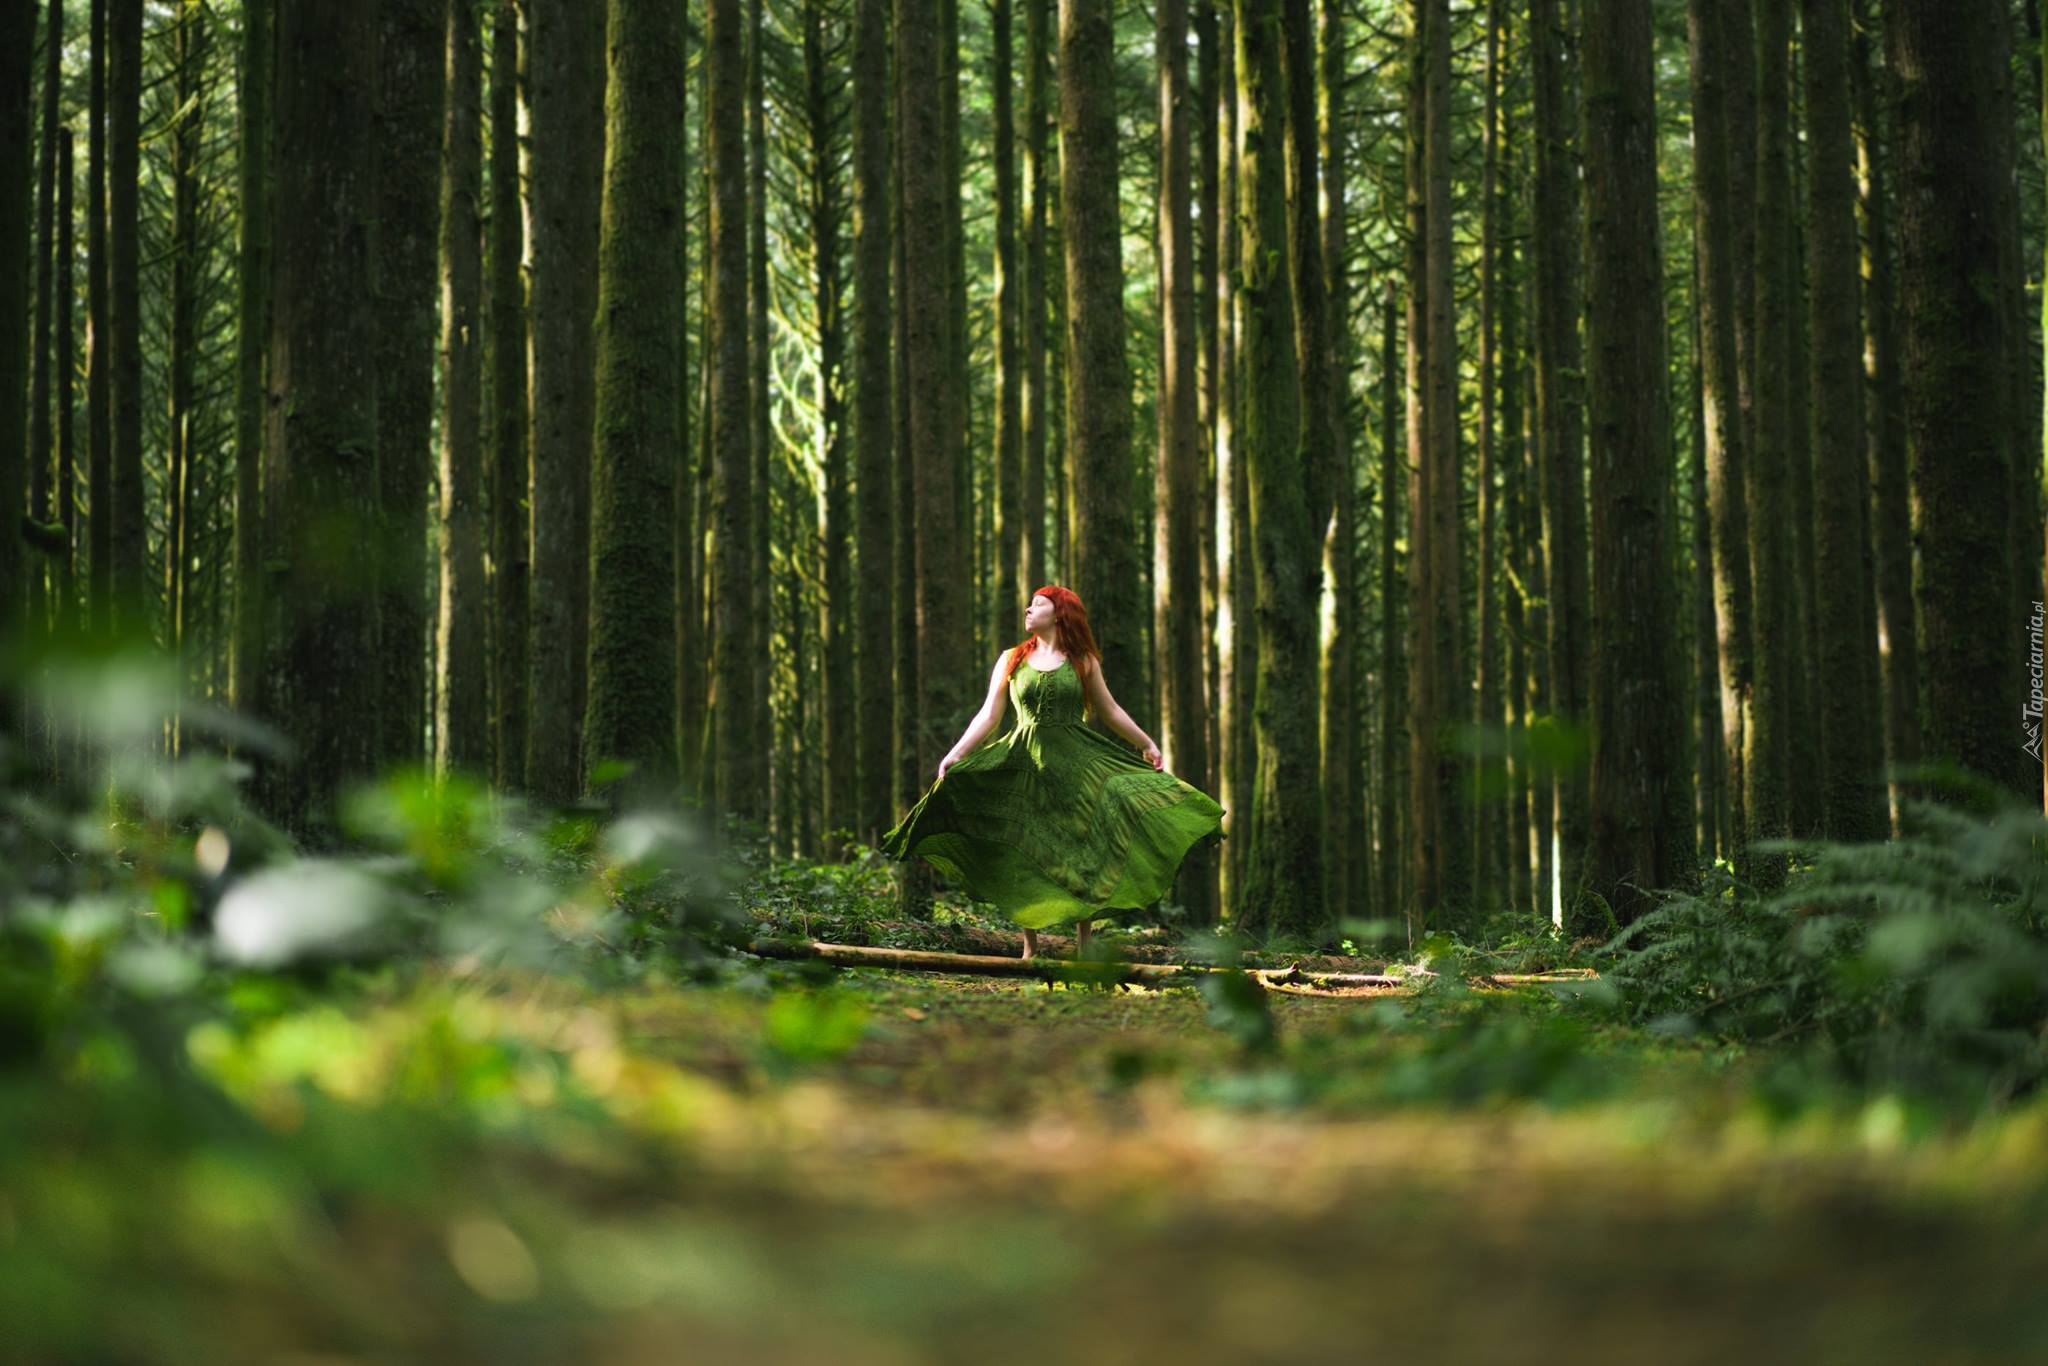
(1919, 962)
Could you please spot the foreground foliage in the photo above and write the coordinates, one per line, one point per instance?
(493, 1084)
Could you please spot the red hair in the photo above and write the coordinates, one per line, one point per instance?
(1069, 631)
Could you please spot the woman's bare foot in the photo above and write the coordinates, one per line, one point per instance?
(1030, 943)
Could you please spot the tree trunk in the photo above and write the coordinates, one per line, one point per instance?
(323, 374)
(39, 424)
(1560, 439)
(98, 352)
(736, 781)
(686, 534)
(836, 638)
(1343, 802)
(1641, 793)
(17, 45)
(1031, 548)
(765, 770)
(1489, 872)
(252, 330)
(1312, 335)
(639, 378)
(2024, 377)
(1518, 544)
(1207, 19)
(1424, 825)
(461, 712)
(942, 700)
(505, 324)
(1283, 891)
(1850, 727)
(1182, 659)
(871, 410)
(189, 37)
(1767, 799)
(1238, 622)
(129, 532)
(565, 187)
(1108, 569)
(1727, 472)
(1710, 796)
(413, 70)
(959, 390)
(1891, 531)
(1438, 844)
(1392, 682)
(1010, 598)
(68, 619)
(1955, 379)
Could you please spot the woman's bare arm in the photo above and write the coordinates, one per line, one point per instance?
(1108, 709)
(993, 709)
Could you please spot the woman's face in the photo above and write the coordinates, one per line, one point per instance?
(1038, 616)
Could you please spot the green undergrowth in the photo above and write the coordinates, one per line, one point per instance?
(489, 1083)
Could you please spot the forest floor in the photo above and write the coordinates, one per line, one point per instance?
(426, 1165)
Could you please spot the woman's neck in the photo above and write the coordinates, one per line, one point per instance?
(1044, 639)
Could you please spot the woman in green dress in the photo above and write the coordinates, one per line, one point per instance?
(1056, 823)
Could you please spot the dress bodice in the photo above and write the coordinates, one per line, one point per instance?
(1047, 699)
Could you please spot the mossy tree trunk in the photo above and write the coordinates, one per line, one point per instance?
(1850, 725)
(40, 327)
(322, 440)
(1314, 342)
(943, 699)
(1490, 851)
(67, 618)
(836, 637)
(1237, 581)
(1891, 516)
(639, 382)
(252, 328)
(129, 532)
(1283, 884)
(1392, 675)
(1766, 765)
(188, 36)
(1559, 423)
(461, 698)
(98, 350)
(735, 780)
(1438, 846)
(413, 78)
(1727, 466)
(1211, 36)
(1036, 200)
(17, 46)
(1711, 795)
(872, 438)
(1956, 385)
(1183, 654)
(763, 757)
(1108, 570)
(1641, 790)
(505, 326)
(1343, 801)
(565, 176)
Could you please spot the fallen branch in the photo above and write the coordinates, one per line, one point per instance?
(1289, 980)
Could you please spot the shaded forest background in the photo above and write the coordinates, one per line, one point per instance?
(1513, 455)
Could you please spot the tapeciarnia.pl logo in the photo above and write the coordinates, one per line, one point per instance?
(2030, 714)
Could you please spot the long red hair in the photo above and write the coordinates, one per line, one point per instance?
(1069, 631)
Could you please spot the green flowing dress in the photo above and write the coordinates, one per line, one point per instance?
(1054, 821)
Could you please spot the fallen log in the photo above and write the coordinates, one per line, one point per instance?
(1289, 980)
(1148, 945)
